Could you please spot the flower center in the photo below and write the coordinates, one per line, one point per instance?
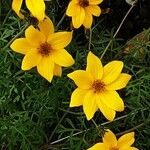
(98, 86)
(45, 49)
(115, 148)
(83, 3)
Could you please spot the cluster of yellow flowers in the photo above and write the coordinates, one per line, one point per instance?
(96, 85)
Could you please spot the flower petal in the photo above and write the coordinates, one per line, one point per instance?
(46, 27)
(31, 60)
(94, 66)
(57, 70)
(16, 6)
(62, 58)
(77, 97)
(106, 111)
(21, 45)
(72, 7)
(37, 8)
(110, 138)
(129, 148)
(77, 20)
(34, 36)
(99, 146)
(81, 78)
(94, 10)
(120, 82)
(90, 105)
(46, 68)
(88, 19)
(60, 40)
(112, 71)
(112, 100)
(95, 2)
(126, 140)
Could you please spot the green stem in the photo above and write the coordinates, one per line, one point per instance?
(131, 130)
(58, 125)
(90, 39)
(6, 18)
(61, 20)
(16, 36)
(118, 29)
(86, 130)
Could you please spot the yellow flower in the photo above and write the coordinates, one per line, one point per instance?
(82, 12)
(45, 49)
(110, 142)
(97, 87)
(36, 7)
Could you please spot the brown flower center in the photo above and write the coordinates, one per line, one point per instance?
(98, 86)
(83, 3)
(114, 148)
(45, 49)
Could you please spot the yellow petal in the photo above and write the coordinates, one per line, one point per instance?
(77, 20)
(60, 40)
(77, 97)
(46, 68)
(99, 146)
(62, 58)
(71, 8)
(95, 2)
(112, 100)
(106, 111)
(81, 78)
(16, 6)
(129, 148)
(120, 82)
(34, 36)
(46, 27)
(37, 8)
(112, 71)
(109, 138)
(31, 60)
(21, 45)
(88, 19)
(94, 66)
(126, 140)
(57, 70)
(94, 10)
(90, 105)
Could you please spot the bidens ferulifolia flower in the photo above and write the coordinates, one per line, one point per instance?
(97, 87)
(110, 142)
(45, 49)
(82, 12)
(36, 7)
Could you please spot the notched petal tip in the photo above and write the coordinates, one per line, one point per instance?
(126, 140)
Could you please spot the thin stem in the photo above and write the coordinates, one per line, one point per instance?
(105, 123)
(97, 24)
(6, 18)
(94, 123)
(61, 20)
(90, 39)
(118, 29)
(130, 130)
(58, 125)
(17, 35)
(71, 112)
